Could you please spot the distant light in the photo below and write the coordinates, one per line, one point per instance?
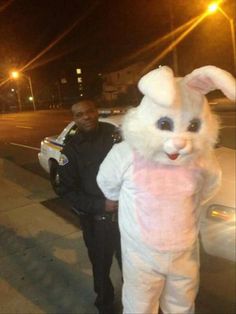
(14, 74)
(30, 98)
(81, 95)
(79, 79)
(99, 74)
(12, 89)
(63, 80)
(78, 71)
(213, 7)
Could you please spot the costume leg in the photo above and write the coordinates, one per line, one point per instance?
(182, 283)
(142, 284)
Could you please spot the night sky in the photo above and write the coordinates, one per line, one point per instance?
(100, 34)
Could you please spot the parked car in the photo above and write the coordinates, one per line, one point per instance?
(217, 227)
(51, 147)
(218, 224)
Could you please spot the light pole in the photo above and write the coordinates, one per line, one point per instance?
(174, 51)
(31, 90)
(212, 8)
(15, 75)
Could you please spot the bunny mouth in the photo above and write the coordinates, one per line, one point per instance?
(173, 156)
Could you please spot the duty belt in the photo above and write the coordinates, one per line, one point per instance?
(111, 217)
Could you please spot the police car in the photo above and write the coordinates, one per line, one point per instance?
(50, 152)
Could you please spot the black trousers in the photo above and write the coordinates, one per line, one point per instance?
(102, 239)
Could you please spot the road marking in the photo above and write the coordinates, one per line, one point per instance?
(24, 127)
(25, 146)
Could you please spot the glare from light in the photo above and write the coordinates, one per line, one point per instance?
(213, 7)
(174, 43)
(15, 74)
(30, 98)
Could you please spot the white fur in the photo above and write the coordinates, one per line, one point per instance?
(209, 78)
(180, 99)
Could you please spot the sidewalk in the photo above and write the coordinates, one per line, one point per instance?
(44, 266)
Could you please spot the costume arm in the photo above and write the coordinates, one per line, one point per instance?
(111, 172)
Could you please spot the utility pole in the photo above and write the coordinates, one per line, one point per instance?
(18, 96)
(174, 50)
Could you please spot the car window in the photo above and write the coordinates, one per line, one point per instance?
(70, 134)
(227, 137)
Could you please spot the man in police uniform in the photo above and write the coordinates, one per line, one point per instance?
(79, 164)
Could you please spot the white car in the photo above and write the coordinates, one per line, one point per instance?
(218, 224)
(51, 147)
(217, 230)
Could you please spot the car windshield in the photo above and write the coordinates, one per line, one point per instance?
(227, 137)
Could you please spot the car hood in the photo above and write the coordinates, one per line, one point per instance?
(226, 194)
(52, 138)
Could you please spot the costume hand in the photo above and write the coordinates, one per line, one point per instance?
(111, 206)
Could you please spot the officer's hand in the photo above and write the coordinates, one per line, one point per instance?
(111, 206)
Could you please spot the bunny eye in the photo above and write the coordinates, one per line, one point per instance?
(165, 124)
(194, 125)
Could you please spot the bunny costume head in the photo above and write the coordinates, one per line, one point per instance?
(173, 123)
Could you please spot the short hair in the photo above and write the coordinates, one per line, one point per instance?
(83, 100)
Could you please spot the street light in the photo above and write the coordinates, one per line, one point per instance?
(212, 8)
(15, 75)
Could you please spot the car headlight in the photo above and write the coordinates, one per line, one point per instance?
(221, 213)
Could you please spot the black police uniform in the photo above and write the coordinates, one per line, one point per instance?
(79, 165)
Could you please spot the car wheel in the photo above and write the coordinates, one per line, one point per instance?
(54, 176)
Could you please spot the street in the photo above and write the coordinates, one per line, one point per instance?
(20, 137)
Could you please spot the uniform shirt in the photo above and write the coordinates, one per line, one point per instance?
(80, 161)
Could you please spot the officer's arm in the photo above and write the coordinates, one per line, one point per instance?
(70, 189)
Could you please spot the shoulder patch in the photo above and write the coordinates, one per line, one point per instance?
(63, 160)
(116, 136)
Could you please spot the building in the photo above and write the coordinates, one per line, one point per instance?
(121, 83)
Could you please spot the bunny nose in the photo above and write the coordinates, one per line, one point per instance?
(179, 143)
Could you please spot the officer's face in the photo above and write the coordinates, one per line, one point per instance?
(85, 115)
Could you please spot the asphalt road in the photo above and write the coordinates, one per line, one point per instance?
(21, 134)
(20, 137)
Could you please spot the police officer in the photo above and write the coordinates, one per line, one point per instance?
(78, 168)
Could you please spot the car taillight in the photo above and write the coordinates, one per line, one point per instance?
(221, 213)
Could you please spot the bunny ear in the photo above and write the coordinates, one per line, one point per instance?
(209, 78)
(159, 85)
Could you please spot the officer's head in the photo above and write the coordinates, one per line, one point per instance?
(85, 115)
